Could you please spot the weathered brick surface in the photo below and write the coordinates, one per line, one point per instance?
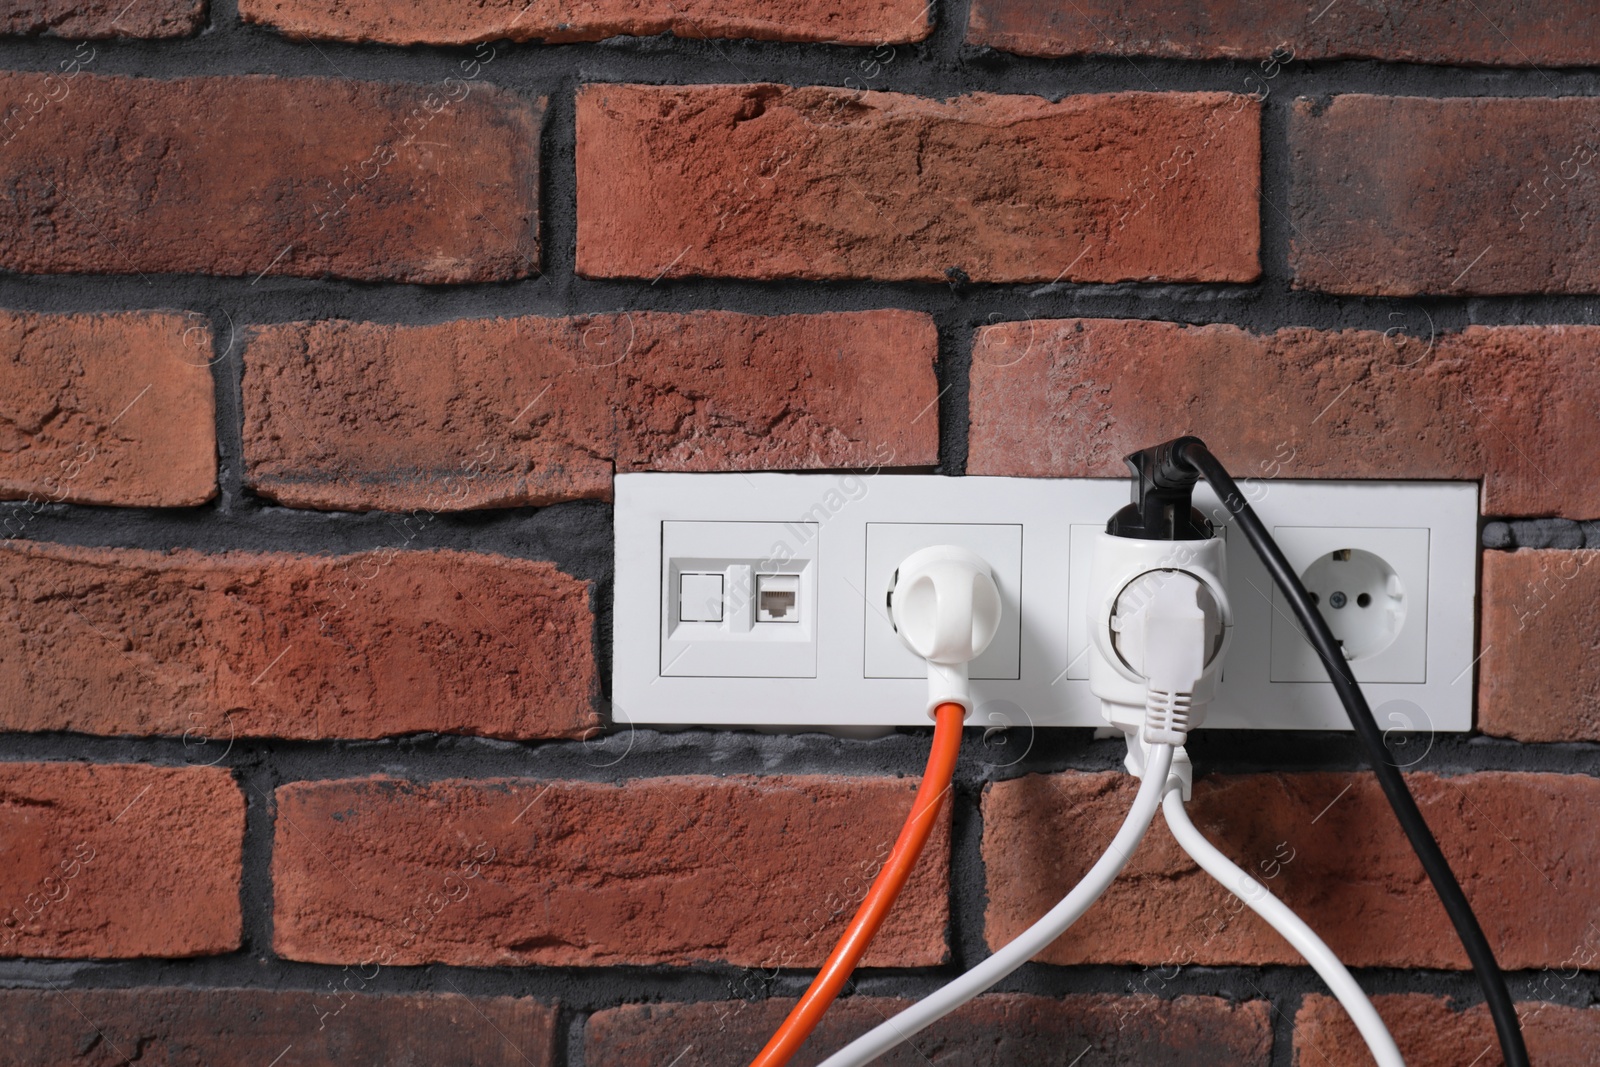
(1520, 844)
(251, 175)
(1431, 1033)
(1539, 678)
(105, 409)
(762, 872)
(1514, 406)
(118, 860)
(1512, 33)
(767, 181)
(248, 1027)
(103, 18)
(1396, 196)
(498, 412)
(468, 22)
(211, 647)
(998, 1030)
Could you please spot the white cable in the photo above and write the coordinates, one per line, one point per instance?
(1294, 930)
(1030, 942)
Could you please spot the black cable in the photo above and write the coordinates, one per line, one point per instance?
(1193, 451)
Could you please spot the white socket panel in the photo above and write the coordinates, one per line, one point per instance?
(824, 547)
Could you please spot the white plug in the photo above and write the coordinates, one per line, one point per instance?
(945, 606)
(1161, 625)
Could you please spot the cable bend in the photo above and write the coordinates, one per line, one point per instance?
(1030, 942)
(804, 1016)
(1282, 919)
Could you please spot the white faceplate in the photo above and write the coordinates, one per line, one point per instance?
(836, 662)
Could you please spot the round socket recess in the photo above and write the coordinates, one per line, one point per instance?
(1361, 597)
(1371, 586)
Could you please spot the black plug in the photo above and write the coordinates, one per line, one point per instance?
(1163, 496)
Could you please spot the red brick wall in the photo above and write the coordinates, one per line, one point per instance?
(324, 329)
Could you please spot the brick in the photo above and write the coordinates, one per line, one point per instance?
(504, 412)
(1431, 1033)
(250, 175)
(762, 872)
(1539, 678)
(1395, 196)
(1513, 33)
(1326, 843)
(106, 409)
(81, 19)
(998, 1030)
(466, 22)
(248, 1027)
(101, 861)
(213, 647)
(1513, 406)
(826, 183)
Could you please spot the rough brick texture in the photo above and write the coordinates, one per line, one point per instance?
(1512, 33)
(246, 175)
(248, 1027)
(105, 409)
(751, 871)
(1000, 1030)
(1539, 678)
(766, 181)
(103, 18)
(498, 412)
(1520, 844)
(211, 647)
(1396, 196)
(1514, 406)
(1431, 1033)
(109, 860)
(468, 22)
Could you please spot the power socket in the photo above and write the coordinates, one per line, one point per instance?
(1418, 677)
(1369, 583)
(822, 654)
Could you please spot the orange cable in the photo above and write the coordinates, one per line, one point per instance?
(948, 721)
